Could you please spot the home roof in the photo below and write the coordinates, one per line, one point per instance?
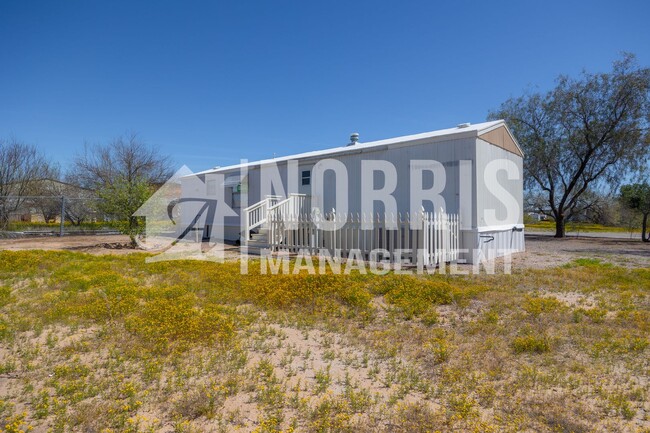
(460, 131)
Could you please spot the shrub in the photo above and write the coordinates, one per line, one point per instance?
(537, 306)
(531, 344)
(624, 344)
(5, 331)
(330, 415)
(438, 347)
(5, 295)
(463, 405)
(414, 296)
(16, 424)
(203, 401)
(178, 322)
(416, 417)
(596, 315)
(319, 293)
(430, 317)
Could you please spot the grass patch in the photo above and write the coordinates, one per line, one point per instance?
(589, 263)
(180, 322)
(538, 305)
(5, 295)
(20, 226)
(580, 227)
(416, 296)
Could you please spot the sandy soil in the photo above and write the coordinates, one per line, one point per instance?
(301, 356)
(542, 250)
(103, 244)
(109, 244)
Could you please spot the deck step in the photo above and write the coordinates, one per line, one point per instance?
(258, 240)
(256, 247)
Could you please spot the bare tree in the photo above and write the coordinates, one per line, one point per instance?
(123, 173)
(584, 135)
(20, 166)
(81, 203)
(50, 190)
(124, 158)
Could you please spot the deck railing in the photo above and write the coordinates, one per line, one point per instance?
(256, 214)
(434, 238)
(295, 204)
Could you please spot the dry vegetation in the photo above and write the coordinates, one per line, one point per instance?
(110, 343)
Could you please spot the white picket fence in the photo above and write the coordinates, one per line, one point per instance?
(433, 237)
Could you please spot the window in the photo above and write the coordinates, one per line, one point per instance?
(236, 196)
(306, 177)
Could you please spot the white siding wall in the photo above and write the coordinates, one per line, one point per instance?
(484, 236)
(485, 153)
(499, 242)
(449, 153)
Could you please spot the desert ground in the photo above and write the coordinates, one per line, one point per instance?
(542, 249)
(95, 339)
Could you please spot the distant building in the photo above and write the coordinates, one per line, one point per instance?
(44, 202)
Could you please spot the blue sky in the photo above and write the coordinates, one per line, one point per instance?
(212, 82)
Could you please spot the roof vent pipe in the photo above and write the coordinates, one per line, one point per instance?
(463, 125)
(354, 138)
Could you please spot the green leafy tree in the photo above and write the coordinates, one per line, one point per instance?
(122, 198)
(124, 173)
(637, 197)
(584, 135)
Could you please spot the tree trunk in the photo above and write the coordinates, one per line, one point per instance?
(559, 226)
(133, 224)
(4, 220)
(644, 226)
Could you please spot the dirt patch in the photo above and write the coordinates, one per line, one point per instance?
(545, 251)
(108, 244)
(572, 299)
(542, 250)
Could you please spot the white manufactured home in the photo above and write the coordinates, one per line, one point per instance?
(468, 179)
